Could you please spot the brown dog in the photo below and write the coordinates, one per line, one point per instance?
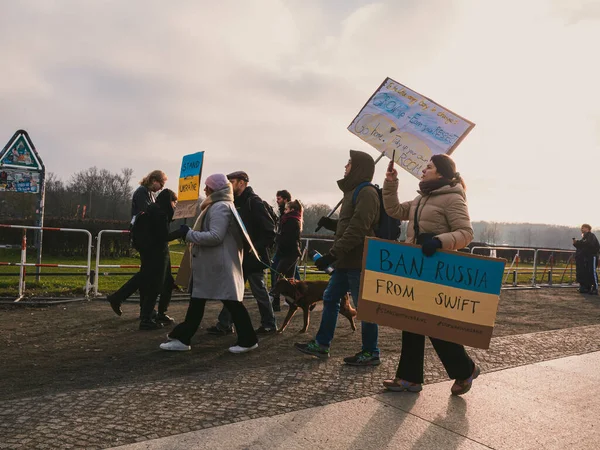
(305, 295)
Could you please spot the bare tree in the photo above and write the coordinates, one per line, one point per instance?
(105, 195)
(312, 214)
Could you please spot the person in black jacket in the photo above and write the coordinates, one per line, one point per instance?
(142, 198)
(281, 197)
(288, 239)
(261, 229)
(586, 260)
(154, 254)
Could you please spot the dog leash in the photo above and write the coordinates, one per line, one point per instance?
(273, 270)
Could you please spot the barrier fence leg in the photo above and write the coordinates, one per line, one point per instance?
(22, 268)
(306, 258)
(98, 247)
(535, 262)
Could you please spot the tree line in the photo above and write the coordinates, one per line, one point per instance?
(99, 194)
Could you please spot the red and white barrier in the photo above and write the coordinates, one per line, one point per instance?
(24, 263)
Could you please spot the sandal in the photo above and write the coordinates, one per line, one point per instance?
(399, 385)
(461, 387)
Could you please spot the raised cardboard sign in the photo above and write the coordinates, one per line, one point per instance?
(398, 119)
(189, 186)
(450, 295)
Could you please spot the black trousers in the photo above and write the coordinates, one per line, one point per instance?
(134, 283)
(239, 314)
(586, 271)
(154, 281)
(457, 363)
(129, 288)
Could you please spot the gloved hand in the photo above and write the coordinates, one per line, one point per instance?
(429, 247)
(183, 230)
(328, 223)
(325, 261)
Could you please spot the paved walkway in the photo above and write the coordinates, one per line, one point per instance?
(254, 400)
(522, 408)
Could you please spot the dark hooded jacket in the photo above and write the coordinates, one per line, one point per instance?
(588, 245)
(288, 235)
(160, 215)
(142, 199)
(260, 227)
(356, 221)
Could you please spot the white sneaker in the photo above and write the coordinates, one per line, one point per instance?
(238, 349)
(175, 345)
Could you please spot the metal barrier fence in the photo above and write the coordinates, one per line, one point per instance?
(23, 263)
(511, 276)
(111, 266)
(513, 270)
(303, 266)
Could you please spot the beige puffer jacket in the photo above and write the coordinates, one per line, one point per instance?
(443, 212)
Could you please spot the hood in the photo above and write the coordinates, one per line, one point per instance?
(363, 168)
(163, 201)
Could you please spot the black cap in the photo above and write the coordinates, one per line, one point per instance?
(238, 175)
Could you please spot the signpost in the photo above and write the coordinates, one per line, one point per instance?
(451, 295)
(397, 118)
(22, 170)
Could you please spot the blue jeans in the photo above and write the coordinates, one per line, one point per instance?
(342, 281)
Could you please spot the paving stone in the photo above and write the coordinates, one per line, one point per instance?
(117, 415)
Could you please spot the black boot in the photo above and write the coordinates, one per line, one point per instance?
(115, 304)
(150, 324)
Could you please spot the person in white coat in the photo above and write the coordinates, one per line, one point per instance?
(217, 254)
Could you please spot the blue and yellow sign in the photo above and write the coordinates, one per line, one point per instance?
(189, 177)
(450, 295)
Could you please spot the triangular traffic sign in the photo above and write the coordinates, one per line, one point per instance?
(20, 153)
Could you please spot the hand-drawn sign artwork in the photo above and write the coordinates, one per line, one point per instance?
(451, 295)
(189, 185)
(397, 118)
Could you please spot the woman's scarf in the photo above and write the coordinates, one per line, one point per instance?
(297, 215)
(222, 195)
(427, 187)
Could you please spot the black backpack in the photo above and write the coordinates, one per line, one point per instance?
(388, 228)
(140, 233)
(272, 214)
(270, 211)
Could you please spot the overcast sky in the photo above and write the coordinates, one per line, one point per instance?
(270, 86)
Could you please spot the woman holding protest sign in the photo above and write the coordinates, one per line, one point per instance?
(217, 253)
(438, 218)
